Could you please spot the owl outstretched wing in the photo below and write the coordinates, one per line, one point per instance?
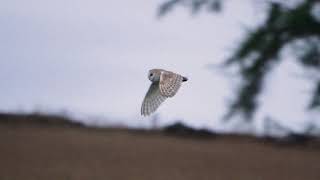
(170, 83)
(152, 100)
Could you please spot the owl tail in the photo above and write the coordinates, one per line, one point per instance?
(184, 79)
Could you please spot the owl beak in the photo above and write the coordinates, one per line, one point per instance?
(184, 79)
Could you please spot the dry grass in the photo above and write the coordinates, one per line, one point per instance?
(62, 153)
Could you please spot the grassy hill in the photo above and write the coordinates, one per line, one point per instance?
(38, 147)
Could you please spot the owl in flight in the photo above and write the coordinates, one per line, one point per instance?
(164, 84)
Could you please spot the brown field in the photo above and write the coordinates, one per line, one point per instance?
(57, 152)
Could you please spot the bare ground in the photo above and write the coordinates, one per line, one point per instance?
(39, 152)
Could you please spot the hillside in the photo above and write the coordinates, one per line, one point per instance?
(36, 149)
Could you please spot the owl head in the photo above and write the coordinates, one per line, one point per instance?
(154, 75)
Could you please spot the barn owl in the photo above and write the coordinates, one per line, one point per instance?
(164, 84)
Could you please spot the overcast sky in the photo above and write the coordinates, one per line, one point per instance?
(92, 57)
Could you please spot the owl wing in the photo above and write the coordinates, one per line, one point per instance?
(152, 100)
(170, 83)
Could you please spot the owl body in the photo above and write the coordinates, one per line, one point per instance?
(164, 84)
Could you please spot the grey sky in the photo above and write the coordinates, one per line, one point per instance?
(93, 56)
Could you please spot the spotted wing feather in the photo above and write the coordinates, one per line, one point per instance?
(152, 100)
(170, 83)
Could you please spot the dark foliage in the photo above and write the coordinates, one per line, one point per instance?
(38, 119)
(260, 49)
(183, 130)
(194, 5)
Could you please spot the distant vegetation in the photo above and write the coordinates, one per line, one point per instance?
(38, 119)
